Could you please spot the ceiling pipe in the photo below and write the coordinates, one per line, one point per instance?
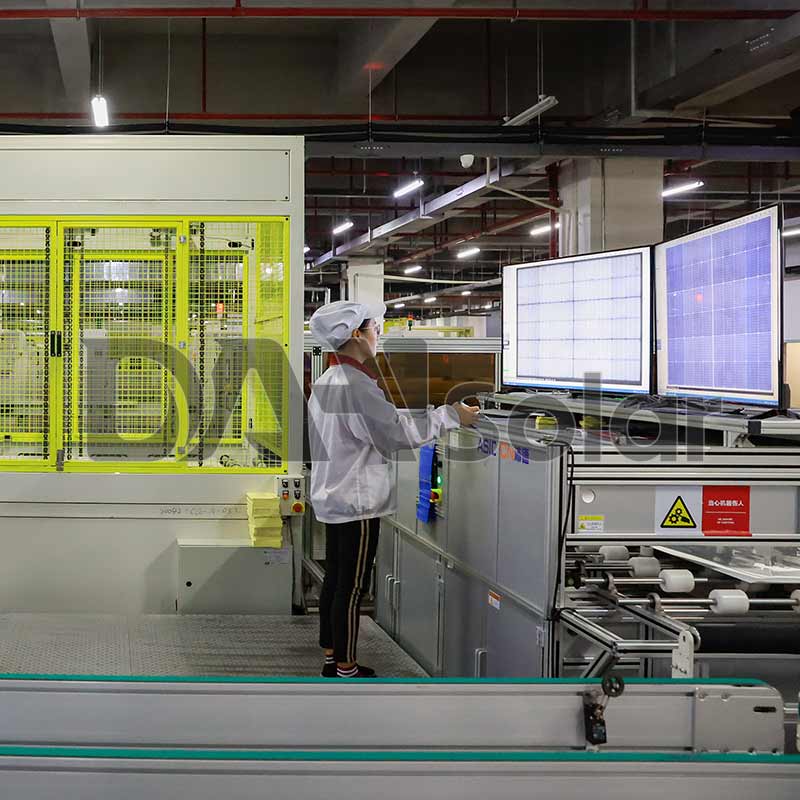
(388, 12)
(454, 241)
(474, 287)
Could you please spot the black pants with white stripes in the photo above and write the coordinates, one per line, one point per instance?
(349, 556)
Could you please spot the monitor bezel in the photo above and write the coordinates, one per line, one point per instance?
(645, 387)
(773, 400)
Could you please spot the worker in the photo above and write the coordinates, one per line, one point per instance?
(353, 430)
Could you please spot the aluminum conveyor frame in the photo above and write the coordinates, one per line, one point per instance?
(391, 714)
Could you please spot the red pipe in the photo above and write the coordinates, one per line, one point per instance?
(204, 75)
(289, 12)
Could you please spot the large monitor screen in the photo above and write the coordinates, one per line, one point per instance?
(718, 311)
(567, 318)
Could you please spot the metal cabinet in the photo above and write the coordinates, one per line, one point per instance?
(385, 578)
(418, 607)
(515, 642)
(463, 635)
(471, 490)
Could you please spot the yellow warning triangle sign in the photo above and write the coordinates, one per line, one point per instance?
(678, 516)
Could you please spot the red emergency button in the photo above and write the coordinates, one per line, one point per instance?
(436, 495)
(297, 508)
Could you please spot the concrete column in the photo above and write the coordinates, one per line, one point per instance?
(615, 203)
(365, 280)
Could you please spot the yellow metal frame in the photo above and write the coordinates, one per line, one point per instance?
(55, 367)
(180, 321)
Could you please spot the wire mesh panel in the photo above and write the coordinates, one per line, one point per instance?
(237, 329)
(25, 266)
(120, 354)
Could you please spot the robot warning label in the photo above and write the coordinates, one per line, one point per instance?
(678, 509)
(678, 516)
(726, 510)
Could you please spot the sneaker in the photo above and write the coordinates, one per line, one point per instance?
(357, 672)
(330, 671)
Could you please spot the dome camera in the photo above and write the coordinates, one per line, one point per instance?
(467, 160)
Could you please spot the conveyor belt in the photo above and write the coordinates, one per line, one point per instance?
(108, 774)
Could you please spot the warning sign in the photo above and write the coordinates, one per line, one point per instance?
(726, 510)
(592, 522)
(678, 510)
(678, 516)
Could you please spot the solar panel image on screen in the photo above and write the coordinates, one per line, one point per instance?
(568, 317)
(718, 291)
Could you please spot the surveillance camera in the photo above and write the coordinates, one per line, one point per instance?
(467, 160)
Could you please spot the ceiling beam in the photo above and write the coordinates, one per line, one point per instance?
(371, 51)
(71, 39)
(764, 56)
(436, 209)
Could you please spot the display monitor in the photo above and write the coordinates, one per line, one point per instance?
(566, 318)
(718, 311)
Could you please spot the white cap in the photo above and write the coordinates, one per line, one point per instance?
(333, 324)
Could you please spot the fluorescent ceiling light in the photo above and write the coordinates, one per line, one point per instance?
(470, 251)
(429, 300)
(345, 226)
(466, 292)
(409, 187)
(790, 232)
(412, 270)
(100, 111)
(488, 305)
(539, 230)
(306, 248)
(546, 102)
(399, 305)
(686, 187)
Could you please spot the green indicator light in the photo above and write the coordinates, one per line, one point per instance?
(439, 480)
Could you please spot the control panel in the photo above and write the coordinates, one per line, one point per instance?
(291, 491)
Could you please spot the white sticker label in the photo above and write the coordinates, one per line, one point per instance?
(678, 510)
(595, 523)
(274, 555)
(494, 600)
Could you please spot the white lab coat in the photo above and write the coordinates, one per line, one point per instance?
(353, 430)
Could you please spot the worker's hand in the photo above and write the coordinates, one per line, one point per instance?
(467, 415)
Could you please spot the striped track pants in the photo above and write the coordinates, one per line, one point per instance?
(349, 556)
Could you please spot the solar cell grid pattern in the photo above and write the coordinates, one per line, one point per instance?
(581, 317)
(719, 313)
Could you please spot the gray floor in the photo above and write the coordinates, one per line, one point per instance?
(182, 645)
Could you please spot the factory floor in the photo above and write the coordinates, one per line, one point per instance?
(217, 645)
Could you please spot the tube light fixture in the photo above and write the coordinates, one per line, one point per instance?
(470, 251)
(345, 226)
(788, 234)
(399, 305)
(685, 187)
(546, 102)
(466, 292)
(100, 111)
(409, 187)
(488, 305)
(540, 229)
(429, 300)
(412, 270)
(306, 248)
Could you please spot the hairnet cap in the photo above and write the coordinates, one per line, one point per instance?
(333, 324)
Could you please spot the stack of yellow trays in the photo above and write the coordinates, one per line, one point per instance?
(264, 518)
